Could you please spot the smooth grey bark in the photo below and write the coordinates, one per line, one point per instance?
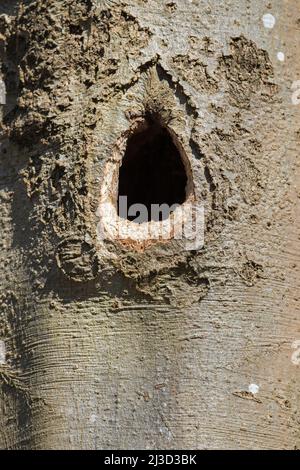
(105, 345)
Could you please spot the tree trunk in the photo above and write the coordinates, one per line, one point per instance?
(121, 344)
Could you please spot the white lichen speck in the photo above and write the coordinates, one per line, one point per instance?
(2, 93)
(269, 21)
(280, 56)
(253, 388)
(2, 353)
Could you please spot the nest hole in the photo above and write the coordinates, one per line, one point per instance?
(152, 174)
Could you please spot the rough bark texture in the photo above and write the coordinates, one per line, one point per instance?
(107, 346)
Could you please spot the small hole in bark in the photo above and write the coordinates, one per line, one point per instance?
(152, 171)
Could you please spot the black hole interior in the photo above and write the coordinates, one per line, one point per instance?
(152, 172)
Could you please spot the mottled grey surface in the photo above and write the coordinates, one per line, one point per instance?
(108, 346)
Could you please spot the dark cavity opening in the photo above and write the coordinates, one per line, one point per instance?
(152, 173)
